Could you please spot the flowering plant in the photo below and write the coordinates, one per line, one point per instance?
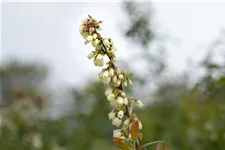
(128, 135)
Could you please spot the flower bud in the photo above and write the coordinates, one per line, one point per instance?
(118, 70)
(112, 115)
(140, 125)
(113, 102)
(125, 83)
(99, 57)
(108, 91)
(114, 48)
(94, 36)
(106, 80)
(118, 82)
(88, 39)
(105, 74)
(120, 100)
(126, 122)
(125, 101)
(116, 122)
(111, 97)
(139, 103)
(120, 76)
(106, 42)
(117, 130)
(95, 42)
(114, 79)
(117, 134)
(104, 77)
(99, 60)
(120, 114)
(98, 47)
(91, 30)
(101, 63)
(123, 137)
(122, 94)
(85, 35)
(129, 82)
(91, 55)
(111, 72)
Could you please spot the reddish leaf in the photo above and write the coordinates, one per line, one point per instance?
(134, 130)
(159, 146)
(140, 136)
(120, 144)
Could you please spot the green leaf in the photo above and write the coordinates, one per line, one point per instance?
(121, 144)
(134, 130)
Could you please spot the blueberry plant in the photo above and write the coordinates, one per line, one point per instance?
(128, 136)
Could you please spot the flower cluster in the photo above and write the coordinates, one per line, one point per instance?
(111, 74)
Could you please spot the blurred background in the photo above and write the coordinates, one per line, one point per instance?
(51, 98)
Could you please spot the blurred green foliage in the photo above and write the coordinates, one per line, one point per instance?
(186, 117)
(21, 75)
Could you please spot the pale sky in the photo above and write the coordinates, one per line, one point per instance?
(49, 32)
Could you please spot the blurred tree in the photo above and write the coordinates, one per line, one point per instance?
(187, 115)
(16, 75)
(92, 125)
(140, 22)
(141, 32)
(21, 121)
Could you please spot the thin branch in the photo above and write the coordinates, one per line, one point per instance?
(151, 143)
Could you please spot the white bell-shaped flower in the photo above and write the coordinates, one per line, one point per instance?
(125, 101)
(111, 72)
(91, 55)
(88, 39)
(126, 122)
(120, 114)
(122, 94)
(112, 115)
(114, 79)
(108, 91)
(95, 42)
(129, 82)
(116, 122)
(111, 97)
(94, 36)
(117, 134)
(120, 76)
(125, 83)
(139, 103)
(120, 100)
(99, 60)
(118, 82)
(106, 42)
